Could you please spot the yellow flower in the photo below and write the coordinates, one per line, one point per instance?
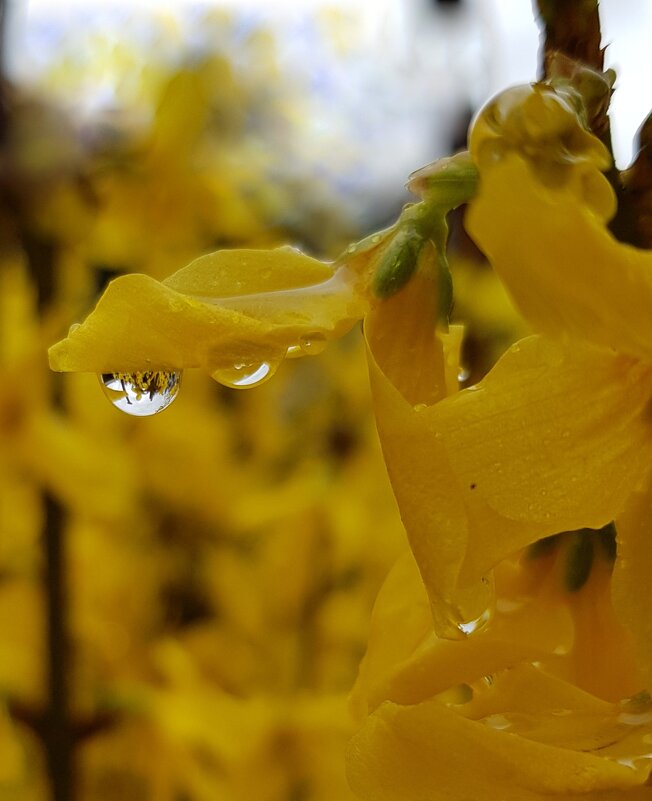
(228, 313)
(517, 711)
(556, 438)
(559, 435)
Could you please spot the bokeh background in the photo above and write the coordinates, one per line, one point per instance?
(184, 599)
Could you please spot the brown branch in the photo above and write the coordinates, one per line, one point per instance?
(57, 729)
(571, 27)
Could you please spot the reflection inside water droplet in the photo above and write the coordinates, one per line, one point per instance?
(141, 394)
(244, 376)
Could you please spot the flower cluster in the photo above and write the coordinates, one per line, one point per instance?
(511, 646)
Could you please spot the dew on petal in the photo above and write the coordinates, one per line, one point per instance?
(498, 722)
(313, 344)
(141, 394)
(245, 376)
(470, 627)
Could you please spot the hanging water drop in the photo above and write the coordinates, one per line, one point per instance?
(463, 374)
(244, 376)
(141, 394)
(471, 626)
(313, 344)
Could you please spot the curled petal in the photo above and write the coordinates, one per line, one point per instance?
(430, 751)
(551, 440)
(225, 308)
(564, 270)
(412, 365)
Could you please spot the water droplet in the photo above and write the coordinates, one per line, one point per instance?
(471, 626)
(73, 328)
(294, 351)
(375, 239)
(420, 407)
(141, 394)
(244, 376)
(463, 375)
(499, 722)
(352, 248)
(313, 344)
(635, 719)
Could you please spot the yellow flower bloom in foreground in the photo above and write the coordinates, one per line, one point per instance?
(228, 312)
(556, 438)
(525, 710)
(561, 430)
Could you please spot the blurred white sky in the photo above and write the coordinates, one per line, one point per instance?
(399, 83)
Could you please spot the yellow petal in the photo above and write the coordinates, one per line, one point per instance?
(552, 439)
(407, 664)
(403, 338)
(564, 270)
(402, 385)
(428, 751)
(226, 308)
(631, 579)
(400, 621)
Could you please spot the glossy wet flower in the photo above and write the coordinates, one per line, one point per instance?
(524, 709)
(558, 436)
(237, 314)
(227, 311)
(555, 438)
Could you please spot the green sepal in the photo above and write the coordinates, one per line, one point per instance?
(399, 261)
(446, 183)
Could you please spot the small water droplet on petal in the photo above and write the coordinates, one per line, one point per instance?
(499, 722)
(313, 344)
(470, 627)
(294, 352)
(141, 394)
(245, 376)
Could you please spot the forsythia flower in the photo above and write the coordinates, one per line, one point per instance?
(555, 439)
(224, 310)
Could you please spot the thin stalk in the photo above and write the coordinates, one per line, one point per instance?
(57, 730)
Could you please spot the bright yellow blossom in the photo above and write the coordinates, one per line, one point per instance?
(556, 438)
(225, 309)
